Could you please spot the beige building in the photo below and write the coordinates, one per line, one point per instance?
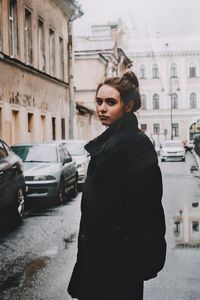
(35, 38)
(169, 73)
(96, 57)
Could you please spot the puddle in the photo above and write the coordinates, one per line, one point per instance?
(34, 266)
(22, 278)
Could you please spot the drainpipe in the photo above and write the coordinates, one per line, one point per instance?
(77, 14)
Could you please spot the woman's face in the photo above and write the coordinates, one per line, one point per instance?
(109, 106)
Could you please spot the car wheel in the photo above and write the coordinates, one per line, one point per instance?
(183, 159)
(61, 193)
(162, 160)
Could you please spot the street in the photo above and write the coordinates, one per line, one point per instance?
(36, 258)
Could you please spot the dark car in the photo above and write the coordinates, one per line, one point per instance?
(50, 172)
(12, 183)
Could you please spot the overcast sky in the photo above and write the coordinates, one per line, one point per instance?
(144, 18)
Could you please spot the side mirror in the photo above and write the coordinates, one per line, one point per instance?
(67, 160)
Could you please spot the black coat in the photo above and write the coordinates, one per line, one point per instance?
(122, 228)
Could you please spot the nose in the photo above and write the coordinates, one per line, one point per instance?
(103, 107)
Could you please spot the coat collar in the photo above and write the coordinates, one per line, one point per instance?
(127, 123)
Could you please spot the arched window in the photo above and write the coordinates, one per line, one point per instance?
(174, 99)
(155, 73)
(142, 72)
(192, 70)
(144, 101)
(156, 104)
(193, 100)
(173, 70)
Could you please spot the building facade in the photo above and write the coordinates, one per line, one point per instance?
(96, 57)
(34, 69)
(169, 75)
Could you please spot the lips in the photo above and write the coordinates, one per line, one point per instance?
(103, 118)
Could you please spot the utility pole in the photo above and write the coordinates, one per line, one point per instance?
(77, 14)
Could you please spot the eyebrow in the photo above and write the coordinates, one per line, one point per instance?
(109, 98)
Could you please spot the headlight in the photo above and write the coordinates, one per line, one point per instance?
(43, 177)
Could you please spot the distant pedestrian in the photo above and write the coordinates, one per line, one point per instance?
(121, 239)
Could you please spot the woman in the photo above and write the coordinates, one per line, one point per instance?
(121, 239)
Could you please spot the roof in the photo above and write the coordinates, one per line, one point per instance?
(93, 45)
(164, 45)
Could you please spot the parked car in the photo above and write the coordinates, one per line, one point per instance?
(50, 171)
(173, 151)
(80, 155)
(12, 183)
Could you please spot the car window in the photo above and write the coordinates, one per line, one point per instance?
(76, 149)
(66, 151)
(36, 153)
(61, 152)
(173, 144)
(4, 150)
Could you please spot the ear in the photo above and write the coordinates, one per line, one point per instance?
(129, 106)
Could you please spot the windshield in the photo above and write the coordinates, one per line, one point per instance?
(76, 149)
(173, 144)
(37, 153)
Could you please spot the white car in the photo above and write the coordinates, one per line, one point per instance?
(80, 155)
(173, 151)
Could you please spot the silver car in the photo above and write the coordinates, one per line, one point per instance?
(173, 151)
(80, 155)
(49, 169)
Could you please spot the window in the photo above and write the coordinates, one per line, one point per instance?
(52, 51)
(155, 73)
(156, 128)
(156, 104)
(142, 72)
(175, 129)
(193, 100)
(61, 49)
(15, 127)
(1, 26)
(30, 127)
(195, 227)
(144, 127)
(192, 70)
(63, 128)
(144, 101)
(174, 101)
(28, 37)
(13, 28)
(41, 49)
(53, 128)
(177, 229)
(173, 70)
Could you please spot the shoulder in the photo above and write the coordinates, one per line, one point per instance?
(132, 141)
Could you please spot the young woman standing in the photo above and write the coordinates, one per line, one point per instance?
(121, 239)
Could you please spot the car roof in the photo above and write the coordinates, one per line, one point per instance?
(51, 143)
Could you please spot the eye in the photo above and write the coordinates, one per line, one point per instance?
(99, 101)
(111, 101)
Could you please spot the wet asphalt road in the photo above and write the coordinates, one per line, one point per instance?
(37, 257)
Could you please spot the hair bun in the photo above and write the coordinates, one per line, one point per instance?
(130, 76)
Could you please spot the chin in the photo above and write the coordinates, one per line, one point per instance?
(106, 123)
